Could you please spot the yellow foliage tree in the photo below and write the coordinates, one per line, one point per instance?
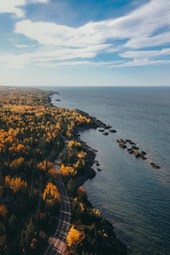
(51, 194)
(74, 236)
(82, 207)
(11, 131)
(81, 154)
(73, 144)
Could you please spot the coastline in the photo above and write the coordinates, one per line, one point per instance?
(38, 137)
(41, 160)
(119, 247)
(90, 174)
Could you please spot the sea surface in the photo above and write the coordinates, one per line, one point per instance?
(130, 193)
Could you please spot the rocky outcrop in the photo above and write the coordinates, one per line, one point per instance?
(155, 165)
(134, 150)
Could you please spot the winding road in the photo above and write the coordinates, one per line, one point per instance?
(57, 245)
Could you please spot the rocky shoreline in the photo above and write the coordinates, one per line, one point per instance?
(127, 144)
(119, 247)
(114, 245)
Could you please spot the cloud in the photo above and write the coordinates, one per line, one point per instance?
(145, 54)
(20, 46)
(14, 61)
(149, 41)
(143, 62)
(82, 63)
(137, 27)
(15, 6)
(145, 27)
(47, 55)
(51, 59)
(58, 35)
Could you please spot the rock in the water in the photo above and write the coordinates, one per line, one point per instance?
(97, 163)
(105, 133)
(122, 146)
(143, 153)
(155, 165)
(130, 142)
(101, 130)
(112, 131)
(108, 127)
(130, 150)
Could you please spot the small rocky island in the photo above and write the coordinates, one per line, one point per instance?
(126, 144)
(134, 150)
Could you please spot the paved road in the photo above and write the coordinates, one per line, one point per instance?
(58, 243)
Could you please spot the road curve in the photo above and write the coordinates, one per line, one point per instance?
(57, 245)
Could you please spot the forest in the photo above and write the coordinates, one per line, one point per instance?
(33, 133)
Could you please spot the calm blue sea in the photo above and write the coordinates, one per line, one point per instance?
(129, 192)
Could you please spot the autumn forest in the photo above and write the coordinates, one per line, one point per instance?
(33, 134)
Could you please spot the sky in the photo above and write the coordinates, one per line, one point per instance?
(85, 43)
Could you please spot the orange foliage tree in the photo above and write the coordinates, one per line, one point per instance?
(15, 183)
(67, 170)
(45, 165)
(17, 163)
(52, 171)
(3, 210)
(20, 147)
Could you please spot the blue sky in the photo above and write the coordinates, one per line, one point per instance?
(85, 43)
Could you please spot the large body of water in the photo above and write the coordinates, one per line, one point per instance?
(129, 192)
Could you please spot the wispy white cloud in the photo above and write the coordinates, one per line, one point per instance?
(142, 62)
(137, 27)
(148, 26)
(149, 41)
(52, 61)
(15, 6)
(82, 63)
(145, 54)
(58, 35)
(21, 46)
(47, 55)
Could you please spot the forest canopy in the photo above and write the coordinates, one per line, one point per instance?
(32, 134)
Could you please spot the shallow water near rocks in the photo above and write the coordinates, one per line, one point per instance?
(130, 193)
